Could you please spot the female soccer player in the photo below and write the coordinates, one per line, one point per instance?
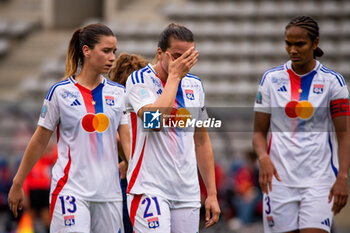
(87, 110)
(162, 176)
(302, 103)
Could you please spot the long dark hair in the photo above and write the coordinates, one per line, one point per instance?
(312, 28)
(88, 35)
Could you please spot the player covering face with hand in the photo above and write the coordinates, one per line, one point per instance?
(163, 188)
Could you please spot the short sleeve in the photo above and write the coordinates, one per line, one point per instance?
(262, 100)
(338, 88)
(49, 115)
(139, 95)
(124, 119)
(339, 97)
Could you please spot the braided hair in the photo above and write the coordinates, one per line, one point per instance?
(312, 28)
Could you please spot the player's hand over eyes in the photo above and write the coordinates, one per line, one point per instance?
(339, 192)
(15, 199)
(266, 172)
(179, 67)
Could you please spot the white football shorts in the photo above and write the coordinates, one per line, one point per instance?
(151, 213)
(287, 209)
(72, 214)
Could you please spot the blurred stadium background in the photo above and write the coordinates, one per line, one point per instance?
(237, 40)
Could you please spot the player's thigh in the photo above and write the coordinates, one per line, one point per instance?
(185, 220)
(149, 213)
(70, 213)
(315, 211)
(280, 210)
(107, 217)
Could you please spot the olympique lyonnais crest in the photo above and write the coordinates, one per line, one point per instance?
(270, 221)
(69, 220)
(318, 88)
(189, 94)
(109, 100)
(153, 222)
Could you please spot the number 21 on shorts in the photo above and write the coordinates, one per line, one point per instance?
(153, 222)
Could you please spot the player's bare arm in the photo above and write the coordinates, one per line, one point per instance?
(32, 154)
(124, 135)
(339, 191)
(267, 169)
(205, 161)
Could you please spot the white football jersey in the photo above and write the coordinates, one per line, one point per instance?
(302, 142)
(163, 162)
(87, 123)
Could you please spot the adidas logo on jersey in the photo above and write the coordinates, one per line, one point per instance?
(283, 88)
(326, 222)
(75, 103)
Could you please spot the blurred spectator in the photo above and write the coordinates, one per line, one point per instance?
(243, 192)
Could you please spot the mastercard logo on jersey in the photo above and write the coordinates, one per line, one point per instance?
(301, 109)
(95, 122)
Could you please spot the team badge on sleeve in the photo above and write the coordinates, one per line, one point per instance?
(109, 100)
(43, 111)
(153, 222)
(189, 94)
(259, 98)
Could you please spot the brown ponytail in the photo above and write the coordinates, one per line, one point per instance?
(90, 36)
(74, 54)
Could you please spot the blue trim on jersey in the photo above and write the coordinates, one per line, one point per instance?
(180, 96)
(142, 71)
(305, 85)
(72, 79)
(331, 147)
(137, 76)
(278, 68)
(53, 88)
(189, 75)
(149, 67)
(115, 84)
(337, 75)
(132, 77)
